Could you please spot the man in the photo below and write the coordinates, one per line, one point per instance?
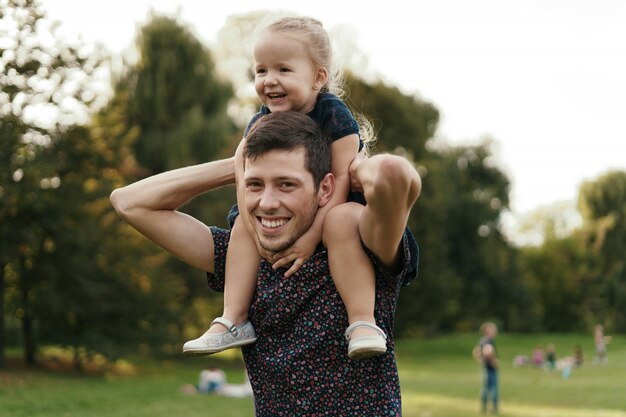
(298, 365)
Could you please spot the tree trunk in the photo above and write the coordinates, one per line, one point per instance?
(29, 340)
(27, 321)
(3, 362)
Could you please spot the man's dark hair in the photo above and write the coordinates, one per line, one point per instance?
(290, 131)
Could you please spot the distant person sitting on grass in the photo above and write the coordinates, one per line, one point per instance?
(538, 356)
(550, 357)
(213, 381)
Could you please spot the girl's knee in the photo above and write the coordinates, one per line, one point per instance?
(395, 177)
(342, 221)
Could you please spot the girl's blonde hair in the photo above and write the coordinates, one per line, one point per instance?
(314, 36)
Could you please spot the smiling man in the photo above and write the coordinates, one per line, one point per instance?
(298, 365)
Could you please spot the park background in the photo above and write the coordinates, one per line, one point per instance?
(87, 302)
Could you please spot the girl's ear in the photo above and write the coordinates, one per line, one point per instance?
(321, 78)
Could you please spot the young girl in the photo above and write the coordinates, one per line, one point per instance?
(293, 73)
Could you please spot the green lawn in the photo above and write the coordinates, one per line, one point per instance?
(439, 379)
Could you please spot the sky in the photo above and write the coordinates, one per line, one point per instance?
(543, 78)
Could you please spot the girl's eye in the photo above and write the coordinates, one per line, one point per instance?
(285, 70)
(260, 71)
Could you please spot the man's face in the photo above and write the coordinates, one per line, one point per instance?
(280, 197)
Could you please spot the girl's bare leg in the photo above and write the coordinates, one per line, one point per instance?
(242, 265)
(351, 268)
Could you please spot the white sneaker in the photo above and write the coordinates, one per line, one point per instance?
(365, 346)
(209, 343)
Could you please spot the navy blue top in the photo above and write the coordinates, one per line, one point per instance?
(482, 343)
(299, 365)
(329, 112)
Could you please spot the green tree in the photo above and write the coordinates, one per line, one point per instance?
(602, 203)
(177, 102)
(46, 85)
(468, 271)
(562, 276)
(177, 108)
(402, 122)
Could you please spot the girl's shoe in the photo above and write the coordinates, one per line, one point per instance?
(209, 343)
(365, 346)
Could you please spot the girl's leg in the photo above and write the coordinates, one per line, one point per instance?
(232, 329)
(242, 259)
(351, 268)
(241, 269)
(242, 265)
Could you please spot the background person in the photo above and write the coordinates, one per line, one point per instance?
(485, 352)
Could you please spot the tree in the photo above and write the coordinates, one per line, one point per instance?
(176, 107)
(176, 101)
(47, 85)
(402, 122)
(602, 203)
(468, 271)
(562, 275)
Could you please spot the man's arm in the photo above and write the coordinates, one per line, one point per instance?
(150, 206)
(391, 185)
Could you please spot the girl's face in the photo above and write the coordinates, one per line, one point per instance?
(286, 78)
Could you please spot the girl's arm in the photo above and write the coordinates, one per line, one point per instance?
(343, 152)
(150, 206)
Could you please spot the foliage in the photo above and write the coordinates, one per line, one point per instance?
(401, 122)
(48, 83)
(577, 280)
(603, 206)
(176, 108)
(176, 101)
(468, 270)
(562, 277)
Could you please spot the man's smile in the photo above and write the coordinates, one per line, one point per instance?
(273, 223)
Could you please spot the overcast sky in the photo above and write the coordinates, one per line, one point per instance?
(544, 78)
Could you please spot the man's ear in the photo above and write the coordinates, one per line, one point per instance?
(326, 189)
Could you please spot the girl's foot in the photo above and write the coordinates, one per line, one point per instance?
(369, 340)
(212, 342)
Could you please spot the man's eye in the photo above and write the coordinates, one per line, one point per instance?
(253, 185)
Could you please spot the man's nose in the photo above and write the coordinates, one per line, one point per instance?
(269, 200)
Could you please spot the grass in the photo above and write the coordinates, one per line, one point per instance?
(439, 379)
(438, 376)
